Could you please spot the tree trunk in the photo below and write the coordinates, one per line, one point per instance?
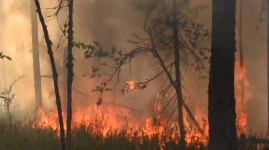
(178, 75)
(241, 58)
(55, 74)
(64, 100)
(268, 60)
(36, 64)
(70, 75)
(221, 105)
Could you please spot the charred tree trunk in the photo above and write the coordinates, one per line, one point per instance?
(178, 75)
(70, 75)
(64, 100)
(55, 74)
(240, 36)
(36, 64)
(241, 55)
(221, 105)
(268, 60)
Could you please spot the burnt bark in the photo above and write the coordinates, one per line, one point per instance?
(54, 72)
(268, 61)
(65, 72)
(178, 74)
(70, 75)
(241, 53)
(36, 63)
(221, 105)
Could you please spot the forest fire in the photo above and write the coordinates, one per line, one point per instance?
(106, 119)
(117, 72)
(242, 94)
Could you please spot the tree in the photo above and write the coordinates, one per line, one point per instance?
(170, 31)
(178, 74)
(70, 75)
(221, 104)
(55, 74)
(36, 63)
(64, 84)
(268, 62)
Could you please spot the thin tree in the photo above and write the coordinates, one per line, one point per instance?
(221, 104)
(36, 63)
(55, 74)
(164, 25)
(70, 75)
(268, 64)
(65, 72)
(178, 75)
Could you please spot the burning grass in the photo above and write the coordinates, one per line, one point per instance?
(100, 131)
(101, 127)
(95, 134)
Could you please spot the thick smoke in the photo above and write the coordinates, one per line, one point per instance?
(111, 23)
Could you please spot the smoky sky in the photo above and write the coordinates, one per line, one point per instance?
(111, 23)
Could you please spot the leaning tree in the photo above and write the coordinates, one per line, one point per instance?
(54, 72)
(172, 38)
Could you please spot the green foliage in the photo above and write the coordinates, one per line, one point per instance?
(91, 50)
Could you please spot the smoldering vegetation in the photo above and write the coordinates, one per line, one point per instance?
(113, 23)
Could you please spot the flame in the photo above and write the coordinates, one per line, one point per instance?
(122, 118)
(242, 94)
(130, 85)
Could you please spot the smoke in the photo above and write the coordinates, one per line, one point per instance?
(16, 43)
(111, 23)
(254, 50)
(254, 47)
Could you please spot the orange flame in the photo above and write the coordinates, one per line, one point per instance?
(130, 85)
(242, 94)
(146, 124)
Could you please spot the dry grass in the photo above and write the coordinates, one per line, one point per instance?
(87, 136)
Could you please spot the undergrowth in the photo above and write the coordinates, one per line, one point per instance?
(23, 135)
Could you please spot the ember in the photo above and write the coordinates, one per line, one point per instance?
(130, 85)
